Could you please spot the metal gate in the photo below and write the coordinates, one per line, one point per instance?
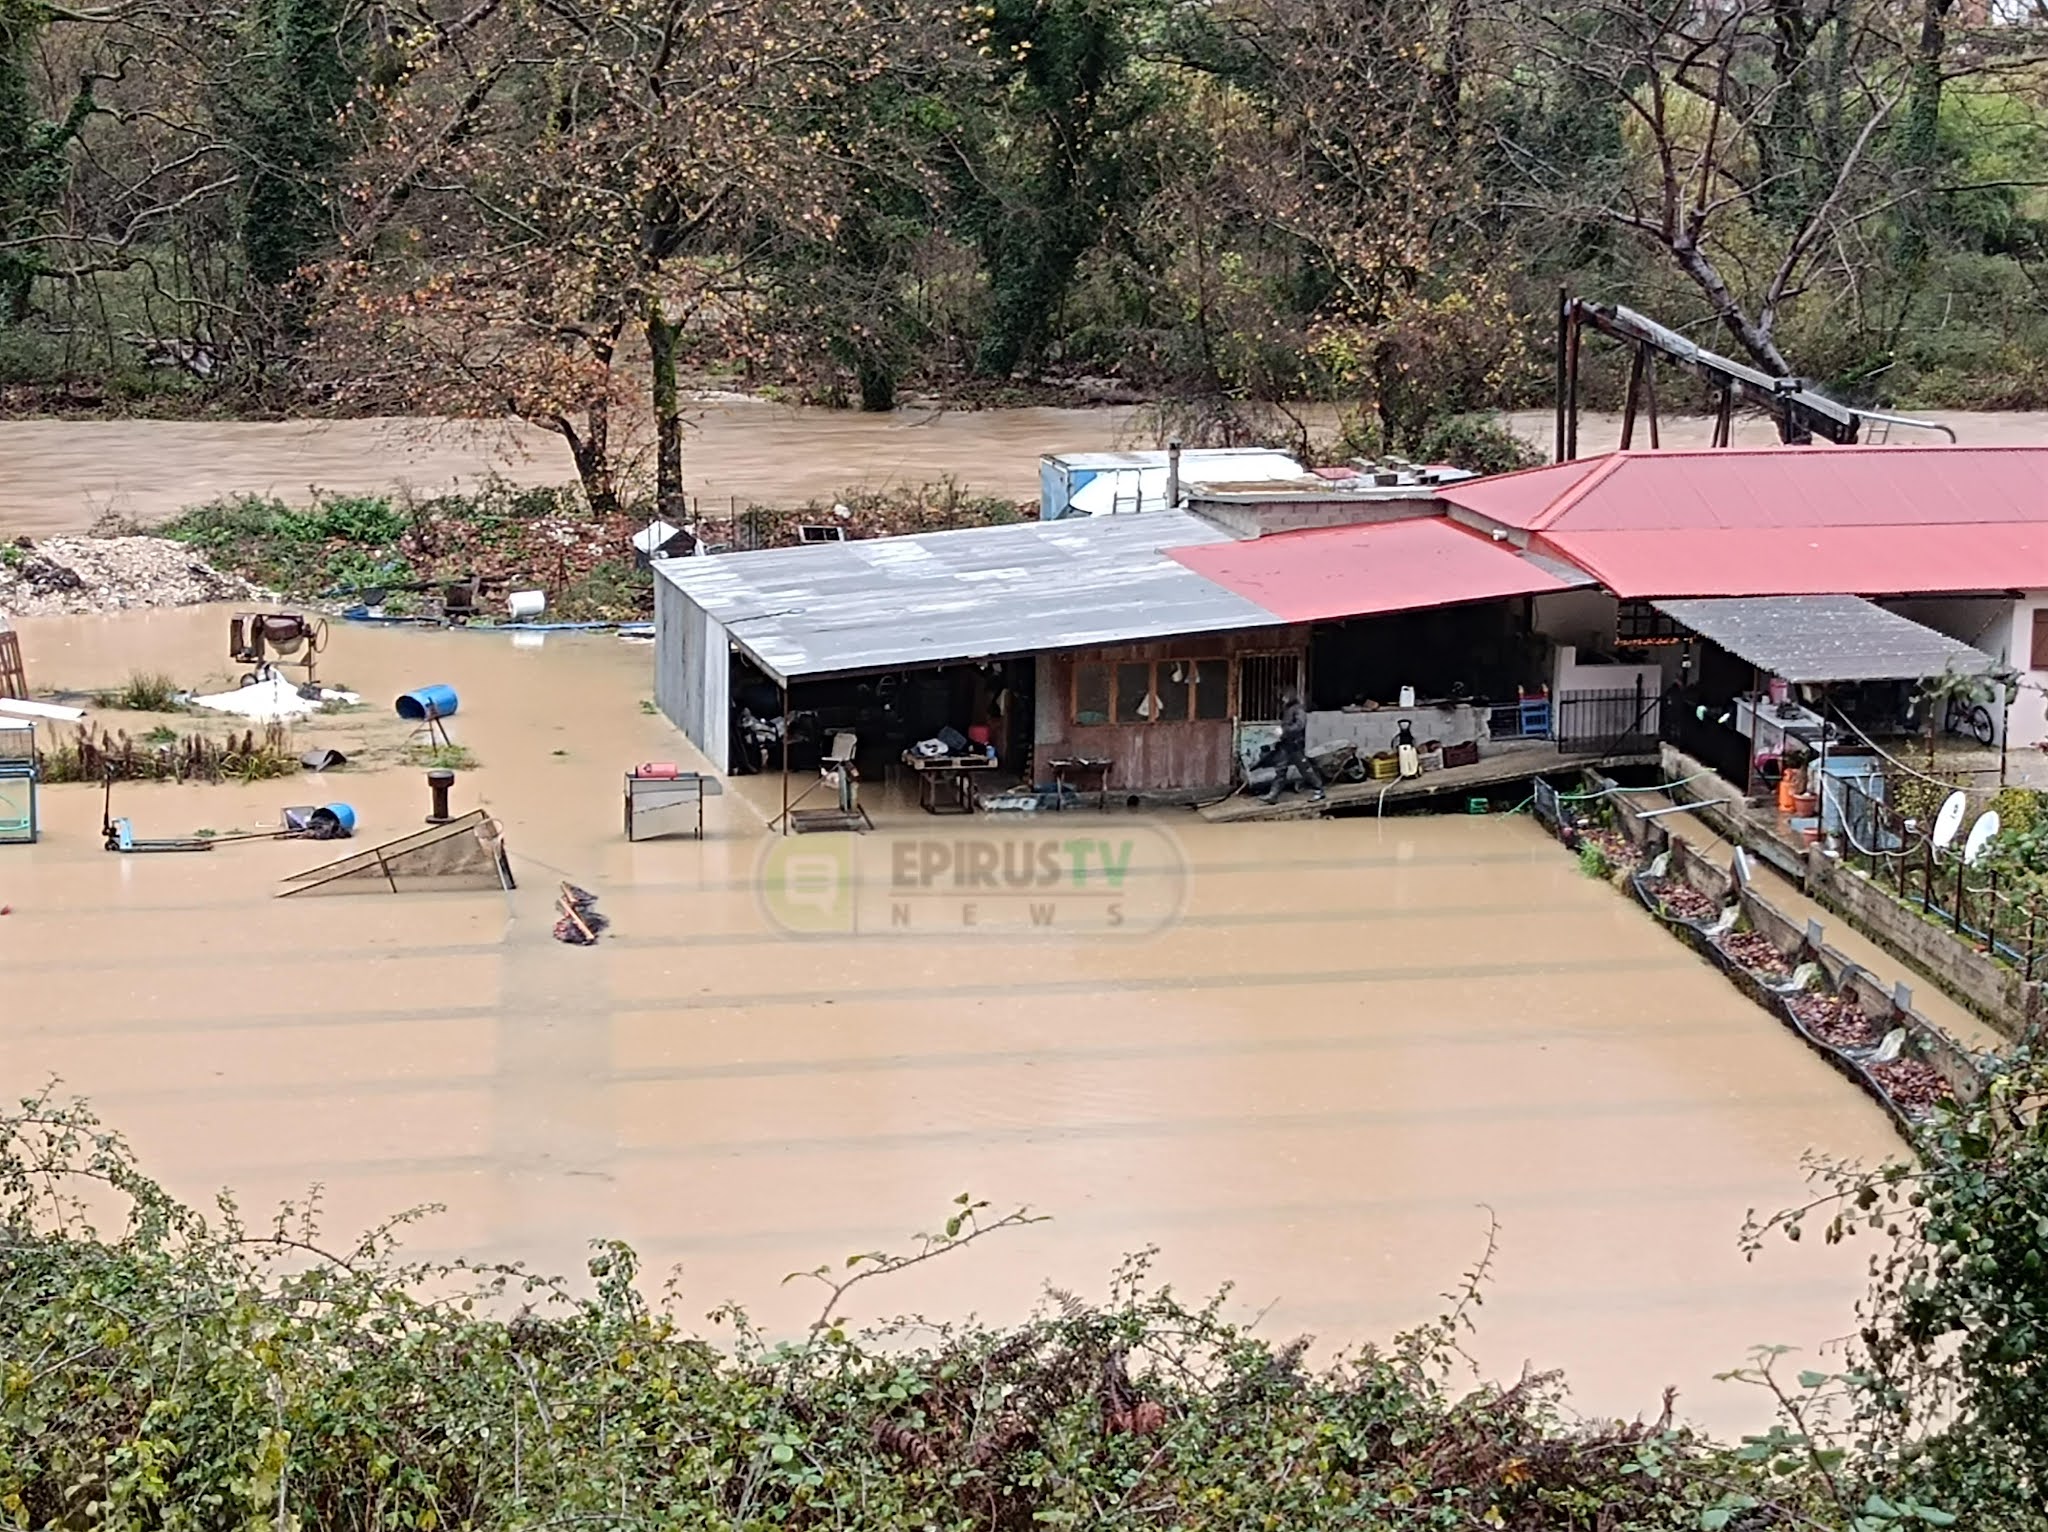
(1261, 679)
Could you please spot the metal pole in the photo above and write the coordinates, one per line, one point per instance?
(1756, 714)
(1563, 307)
(2004, 727)
(1650, 395)
(1571, 383)
(1724, 419)
(785, 758)
(1628, 407)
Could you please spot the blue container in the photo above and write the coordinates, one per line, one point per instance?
(425, 702)
(340, 813)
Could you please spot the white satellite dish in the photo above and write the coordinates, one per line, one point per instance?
(1949, 821)
(1982, 834)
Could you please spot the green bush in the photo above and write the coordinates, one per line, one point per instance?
(1475, 442)
(145, 691)
(190, 1371)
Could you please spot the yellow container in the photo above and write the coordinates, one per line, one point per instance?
(1385, 766)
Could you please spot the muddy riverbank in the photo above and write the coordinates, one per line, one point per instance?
(1357, 1038)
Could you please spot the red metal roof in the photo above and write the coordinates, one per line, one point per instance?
(1389, 566)
(1520, 499)
(1787, 520)
(1811, 561)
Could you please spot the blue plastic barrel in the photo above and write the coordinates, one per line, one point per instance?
(339, 813)
(425, 702)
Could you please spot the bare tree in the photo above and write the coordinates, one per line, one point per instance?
(1746, 140)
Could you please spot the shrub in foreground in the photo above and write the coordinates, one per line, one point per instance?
(189, 1371)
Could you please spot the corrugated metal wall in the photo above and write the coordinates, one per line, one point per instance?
(692, 672)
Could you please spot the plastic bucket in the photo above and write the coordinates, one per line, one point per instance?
(525, 605)
(335, 814)
(425, 702)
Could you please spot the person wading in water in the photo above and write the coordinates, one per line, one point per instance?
(1291, 754)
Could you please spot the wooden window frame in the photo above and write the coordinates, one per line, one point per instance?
(2037, 648)
(1153, 668)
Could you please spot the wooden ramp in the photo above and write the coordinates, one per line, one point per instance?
(1515, 763)
(464, 854)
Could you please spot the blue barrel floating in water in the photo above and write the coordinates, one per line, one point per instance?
(337, 818)
(424, 702)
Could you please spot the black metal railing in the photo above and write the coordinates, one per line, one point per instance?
(1608, 722)
(1899, 856)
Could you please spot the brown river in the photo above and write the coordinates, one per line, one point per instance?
(1355, 1044)
(63, 475)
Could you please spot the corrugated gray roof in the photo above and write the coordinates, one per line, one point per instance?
(1827, 638)
(979, 593)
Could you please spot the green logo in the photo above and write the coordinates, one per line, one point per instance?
(808, 884)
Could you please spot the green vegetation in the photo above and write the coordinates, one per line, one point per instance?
(514, 537)
(1593, 861)
(346, 545)
(441, 757)
(164, 755)
(145, 691)
(171, 1368)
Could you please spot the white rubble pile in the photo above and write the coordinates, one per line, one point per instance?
(274, 700)
(54, 576)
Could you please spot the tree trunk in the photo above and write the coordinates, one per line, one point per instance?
(1750, 336)
(1922, 149)
(662, 338)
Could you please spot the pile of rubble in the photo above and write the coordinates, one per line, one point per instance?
(58, 575)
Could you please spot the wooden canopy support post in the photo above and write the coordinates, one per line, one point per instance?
(1650, 393)
(1724, 418)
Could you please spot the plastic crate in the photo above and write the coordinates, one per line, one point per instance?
(18, 811)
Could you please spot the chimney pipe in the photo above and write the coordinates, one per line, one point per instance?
(1173, 473)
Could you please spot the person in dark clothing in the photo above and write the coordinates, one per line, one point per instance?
(1291, 754)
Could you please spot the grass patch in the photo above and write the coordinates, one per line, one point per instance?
(145, 691)
(246, 757)
(441, 757)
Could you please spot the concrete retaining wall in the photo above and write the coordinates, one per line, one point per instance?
(1989, 989)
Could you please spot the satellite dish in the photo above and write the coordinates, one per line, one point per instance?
(1982, 834)
(1949, 821)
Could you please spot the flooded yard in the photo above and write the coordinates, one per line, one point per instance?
(1357, 1039)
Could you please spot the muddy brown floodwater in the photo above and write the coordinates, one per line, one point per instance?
(60, 476)
(1357, 1038)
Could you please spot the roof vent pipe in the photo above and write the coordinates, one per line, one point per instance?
(1173, 473)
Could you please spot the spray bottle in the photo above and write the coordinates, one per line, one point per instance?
(1405, 750)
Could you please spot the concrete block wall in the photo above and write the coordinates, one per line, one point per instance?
(1264, 517)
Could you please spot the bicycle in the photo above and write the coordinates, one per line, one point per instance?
(1972, 720)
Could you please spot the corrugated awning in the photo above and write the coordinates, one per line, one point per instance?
(903, 603)
(1329, 573)
(1815, 639)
